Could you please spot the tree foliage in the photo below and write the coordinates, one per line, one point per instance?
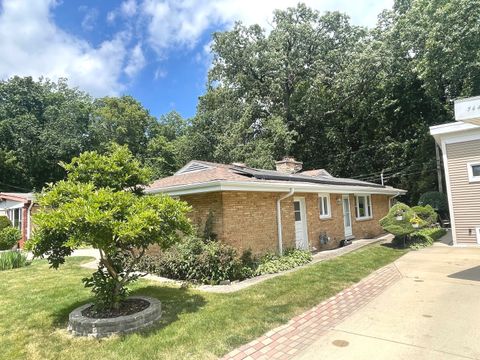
(355, 101)
(99, 205)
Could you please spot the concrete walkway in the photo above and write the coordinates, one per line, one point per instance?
(424, 306)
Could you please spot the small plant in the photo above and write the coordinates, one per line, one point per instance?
(415, 221)
(426, 213)
(4, 222)
(208, 233)
(271, 263)
(12, 260)
(399, 214)
(9, 237)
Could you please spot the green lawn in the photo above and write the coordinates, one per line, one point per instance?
(35, 302)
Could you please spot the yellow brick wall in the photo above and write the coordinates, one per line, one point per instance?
(247, 220)
(202, 205)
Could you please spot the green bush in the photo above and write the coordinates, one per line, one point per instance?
(12, 260)
(9, 236)
(197, 261)
(4, 222)
(271, 264)
(396, 227)
(425, 237)
(437, 200)
(426, 213)
(212, 262)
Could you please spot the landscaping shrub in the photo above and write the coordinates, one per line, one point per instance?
(271, 264)
(425, 237)
(426, 213)
(437, 200)
(197, 261)
(213, 262)
(12, 260)
(9, 237)
(4, 222)
(396, 227)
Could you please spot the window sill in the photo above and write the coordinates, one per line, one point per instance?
(364, 218)
(326, 217)
(474, 180)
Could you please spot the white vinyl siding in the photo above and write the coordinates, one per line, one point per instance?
(324, 205)
(363, 207)
(465, 194)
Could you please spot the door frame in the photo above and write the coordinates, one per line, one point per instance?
(303, 216)
(346, 196)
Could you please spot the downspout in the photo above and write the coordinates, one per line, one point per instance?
(279, 220)
(29, 220)
(391, 198)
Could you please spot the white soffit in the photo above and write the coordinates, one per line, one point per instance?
(468, 110)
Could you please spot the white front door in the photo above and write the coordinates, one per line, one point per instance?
(301, 237)
(347, 218)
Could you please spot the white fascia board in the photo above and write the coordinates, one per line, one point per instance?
(451, 130)
(271, 187)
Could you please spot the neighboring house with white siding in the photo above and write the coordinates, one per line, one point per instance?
(18, 207)
(460, 145)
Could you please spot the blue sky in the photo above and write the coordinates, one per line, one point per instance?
(155, 50)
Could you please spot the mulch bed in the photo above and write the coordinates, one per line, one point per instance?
(127, 307)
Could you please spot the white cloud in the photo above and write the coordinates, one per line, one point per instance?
(90, 19)
(136, 61)
(160, 74)
(111, 16)
(181, 22)
(129, 8)
(40, 48)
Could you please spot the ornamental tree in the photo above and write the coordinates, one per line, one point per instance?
(106, 210)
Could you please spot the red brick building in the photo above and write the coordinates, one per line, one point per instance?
(18, 207)
(266, 211)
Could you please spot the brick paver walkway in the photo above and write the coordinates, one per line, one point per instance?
(287, 340)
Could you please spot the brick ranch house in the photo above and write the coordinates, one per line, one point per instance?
(269, 211)
(18, 207)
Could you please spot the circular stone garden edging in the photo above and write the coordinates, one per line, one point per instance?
(80, 325)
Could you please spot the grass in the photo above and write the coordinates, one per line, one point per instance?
(35, 302)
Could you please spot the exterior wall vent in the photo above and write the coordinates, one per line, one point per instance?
(193, 166)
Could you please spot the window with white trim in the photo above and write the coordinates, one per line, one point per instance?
(324, 205)
(363, 207)
(16, 217)
(478, 234)
(473, 171)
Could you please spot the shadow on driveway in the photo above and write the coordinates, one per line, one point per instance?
(472, 274)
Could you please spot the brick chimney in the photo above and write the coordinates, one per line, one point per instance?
(288, 165)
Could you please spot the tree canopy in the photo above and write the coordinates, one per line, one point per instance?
(99, 205)
(353, 100)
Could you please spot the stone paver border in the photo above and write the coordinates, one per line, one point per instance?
(288, 340)
(79, 325)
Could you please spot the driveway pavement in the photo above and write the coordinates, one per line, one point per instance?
(432, 312)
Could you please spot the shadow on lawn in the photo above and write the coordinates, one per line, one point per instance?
(174, 302)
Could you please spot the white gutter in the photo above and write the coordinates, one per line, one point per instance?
(279, 220)
(393, 197)
(29, 219)
(226, 185)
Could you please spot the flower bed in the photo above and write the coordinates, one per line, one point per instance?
(210, 262)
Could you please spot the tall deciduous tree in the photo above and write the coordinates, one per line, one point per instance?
(41, 123)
